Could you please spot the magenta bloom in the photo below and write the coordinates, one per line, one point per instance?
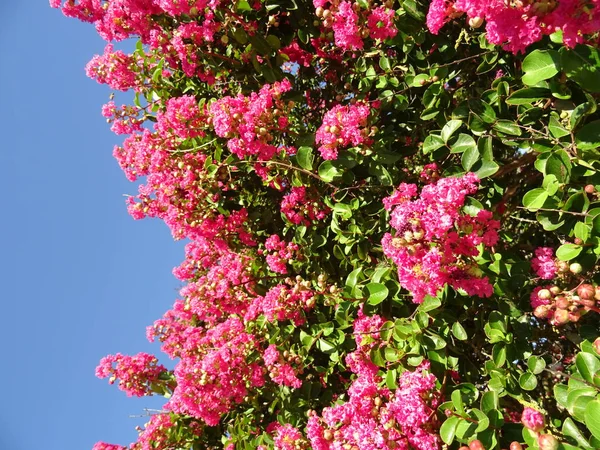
(532, 419)
(544, 264)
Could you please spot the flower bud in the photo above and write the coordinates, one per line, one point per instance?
(555, 290)
(590, 189)
(476, 445)
(596, 345)
(575, 268)
(515, 446)
(547, 442)
(542, 311)
(562, 302)
(561, 316)
(475, 22)
(586, 291)
(544, 294)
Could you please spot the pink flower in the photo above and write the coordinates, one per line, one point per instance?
(135, 373)
(342, 126)
(544, 263)
(345, 27)
(532, 419)
(435, 241)
(288, 437)
(381, 23)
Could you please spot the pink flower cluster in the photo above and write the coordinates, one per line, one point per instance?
(105, 446)
(301, 208)
(366, 329)
(182, 119)
(288, 437)
(125, 120)
(280, 253)
(349, 24)
(374, 418)
(115, 69)
(284, 302)
(516, 24)
(343, 125)
(187, 38)
(533, 419)
(544, 263)
(280, 371)
(297, 55)
(215, 371)
(250, 124)
(135, 373)
(434, 242)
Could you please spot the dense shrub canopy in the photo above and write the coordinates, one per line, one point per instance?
(392, 217)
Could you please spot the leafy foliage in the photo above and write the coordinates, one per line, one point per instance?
(313, 153)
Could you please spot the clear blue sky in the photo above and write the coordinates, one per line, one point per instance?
(80, 278)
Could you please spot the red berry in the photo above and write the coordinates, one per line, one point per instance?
(515, 446)
(590, 189)
(597, 345)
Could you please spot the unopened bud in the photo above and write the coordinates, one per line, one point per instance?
(547, 442)
(575, 268)
(475, 22)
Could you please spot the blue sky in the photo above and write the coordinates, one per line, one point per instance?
(80, 278)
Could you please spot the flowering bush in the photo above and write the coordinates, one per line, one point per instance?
(392, 219)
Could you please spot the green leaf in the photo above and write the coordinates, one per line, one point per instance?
(459, 332)
(589, 136)
(457, 401)
(561, 391)
(489, 401)
(540, 65)
(555, 127)
(588, 365)
(353, 277)
(581, 65)
(536, 364)
(528, 381)
(430, 303)
(567, 252)
(592, 417)
(499, 354)
(449, 129)
(470, 157)
(577, 402)
(507, 127)
(384, 63)
(327, 171)
(305, 158)
(448, 429)
(378, 292)
(535, 199)
(570, 429)
(463, 143)
(551, 184)
(582, 231)
(558, 164)
(484, 168)
(431, 143)
(528, 96)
